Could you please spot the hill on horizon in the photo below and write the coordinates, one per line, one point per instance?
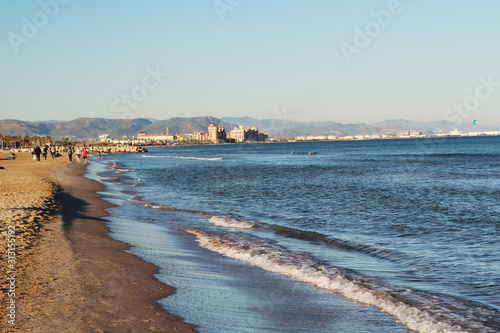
(288, 129)
(80, 128)
(91, 128)
(186, 125)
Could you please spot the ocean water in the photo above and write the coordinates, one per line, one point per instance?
(364, 236)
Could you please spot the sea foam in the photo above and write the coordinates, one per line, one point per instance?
(187, 157)
(424, 315)
(221, 221)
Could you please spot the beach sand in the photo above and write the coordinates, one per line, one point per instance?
(69, 275)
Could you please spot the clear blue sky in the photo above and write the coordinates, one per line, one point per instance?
(259, 58)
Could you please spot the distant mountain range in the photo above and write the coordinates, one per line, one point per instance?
(288, 129)
(91, 128)
(185, 125)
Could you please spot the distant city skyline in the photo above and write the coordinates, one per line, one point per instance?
(341, 61)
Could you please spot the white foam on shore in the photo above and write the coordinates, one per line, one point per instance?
(302, 267)
(153, 206)
(187, 157)
(120, 170)
(137, 199)
(116, 167)
(221, 221)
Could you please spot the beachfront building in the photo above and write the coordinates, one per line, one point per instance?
(241, 134)
(216, 133)
(237, 134)
(185, 137)
(404, 134)
(212, 132)
(143, 137)
(251, 134)
(263, 136)
(199, 136)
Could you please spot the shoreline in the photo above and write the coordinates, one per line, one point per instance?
(135, 291)
(74, 276)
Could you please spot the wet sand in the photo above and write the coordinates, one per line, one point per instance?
(69, 275)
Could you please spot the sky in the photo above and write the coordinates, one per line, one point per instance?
(301, 60)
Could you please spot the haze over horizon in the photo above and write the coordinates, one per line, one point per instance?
(347, 62)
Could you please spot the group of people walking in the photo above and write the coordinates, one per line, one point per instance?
(37, 152)
(80, 153)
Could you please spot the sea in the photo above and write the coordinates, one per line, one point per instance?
(341, 236)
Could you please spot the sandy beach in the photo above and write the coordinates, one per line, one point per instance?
(66, 274)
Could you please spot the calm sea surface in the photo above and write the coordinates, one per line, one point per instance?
(365, 236)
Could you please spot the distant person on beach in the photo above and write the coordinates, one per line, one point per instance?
(38, 152)
(84, 155)
(44, 153)
(53, 151)
(70, 154)
(78, 153)
(99, 154)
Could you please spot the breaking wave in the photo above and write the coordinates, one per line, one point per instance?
(187, 157)
(418, 310)
(234, 221)
(227, 222)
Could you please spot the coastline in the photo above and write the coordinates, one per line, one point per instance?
(72, 275)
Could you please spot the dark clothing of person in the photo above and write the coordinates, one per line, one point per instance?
(38, 152)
